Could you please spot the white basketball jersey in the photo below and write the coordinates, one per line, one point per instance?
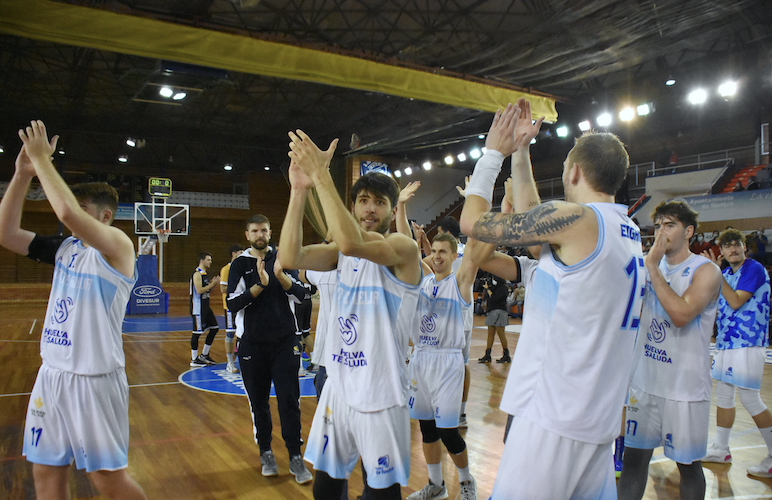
(325, 282)
(670, 362)
(571, 368)
(82, 327)
(440, 315)
(368, 335)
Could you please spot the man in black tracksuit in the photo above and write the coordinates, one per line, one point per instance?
(269, 348)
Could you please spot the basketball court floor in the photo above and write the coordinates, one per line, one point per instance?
(191, 432)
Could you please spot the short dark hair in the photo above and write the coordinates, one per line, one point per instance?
(236, 248)
(258, 219)
(450, 225)
(678, 210)
(99, 193)
(729, 236)
(203, 255)
(377, 184)
(603, 160)
(447, 237)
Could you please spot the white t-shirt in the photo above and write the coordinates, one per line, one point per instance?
(325, 282)
(670, 362)
(368, 335)
(571, 368)
(440, 316)
(84, 318)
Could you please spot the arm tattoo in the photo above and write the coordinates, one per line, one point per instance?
(531, 228)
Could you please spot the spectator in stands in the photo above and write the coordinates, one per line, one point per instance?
(673, 161)
(738, 187)
(762, 242)
(752, 184)
(699, 245)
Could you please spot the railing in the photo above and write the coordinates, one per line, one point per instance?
(690, 167)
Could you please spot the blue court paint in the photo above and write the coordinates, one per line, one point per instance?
(215, 378)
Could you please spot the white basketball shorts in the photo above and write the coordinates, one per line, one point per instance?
(743, 367)
(681, 427)
(340, 435)
(435, 386)
(78, 417)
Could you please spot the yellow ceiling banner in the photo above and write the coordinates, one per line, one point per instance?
(99, 29)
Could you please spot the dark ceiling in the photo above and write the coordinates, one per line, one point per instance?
(581, 52)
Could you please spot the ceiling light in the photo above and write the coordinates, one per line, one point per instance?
(266, 168)
(643, 110)
(166, 92)
(698, 96)
(397, 174)
(484, 150)
(481, 136)
(123, 158)
(2, 150)
(727, 89)
(427, 165)
(179, 96)
(627, 114)
(585, 126)
(475, 153)
(533, 141)
(131, 142)
(228, 166)
(448, 161)
(604, 120)
(670, 82)
(61, 152)
(408, 171)
(562, 131)
(461, 157)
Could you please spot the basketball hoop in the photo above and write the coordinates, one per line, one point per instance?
(163, 235)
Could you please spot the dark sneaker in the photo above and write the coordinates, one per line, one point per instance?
(298, 469)
(198, 362)
(207, 359)
(268, 461)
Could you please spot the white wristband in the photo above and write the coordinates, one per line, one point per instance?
(486, 171)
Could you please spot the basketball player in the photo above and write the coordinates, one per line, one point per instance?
(669, 402)
(230, 324)
(743, 336)
(362, 410)
(568, 376)
(79, 406)
(204, 319)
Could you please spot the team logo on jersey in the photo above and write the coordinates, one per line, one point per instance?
(633, 400)
(327, 415)
(657, 330)
(686, 272)
(668, 440)
(348, 331)
(729, 372)
(427, 323)
(384, 465)
(437, 412)
(61, 310)
(39, 403)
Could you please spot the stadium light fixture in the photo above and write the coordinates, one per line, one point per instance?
(448, 161)
(727, 89)
(481, 136)
(643, 110)
(428, 165)
(698, 96)
(123, 158)
(179, 96)
(131, 142)
(61, 152)
(166, 92)
(408, 171)
(562, 131)
(475, 153)
(228, 167)
(627, 114)
(533, 141)
(585, 126)
(266, 168)
(484, 150)
(397, 174)
(670, 82)
(461, 157)
(604, 120)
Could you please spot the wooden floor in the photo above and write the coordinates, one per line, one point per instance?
(189, 444)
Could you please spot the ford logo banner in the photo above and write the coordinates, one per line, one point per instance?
(147, 291)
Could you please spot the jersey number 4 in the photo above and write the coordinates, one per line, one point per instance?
(630, 321)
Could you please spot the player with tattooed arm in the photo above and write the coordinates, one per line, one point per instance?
(570, 369)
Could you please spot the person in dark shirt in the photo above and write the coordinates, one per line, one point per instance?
(259, 292)
(495, 291)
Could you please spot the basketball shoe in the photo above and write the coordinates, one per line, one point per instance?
(717, 454)
(198, 362)
(764, 469)
(468, 490)
(430, 492)
(268, 461)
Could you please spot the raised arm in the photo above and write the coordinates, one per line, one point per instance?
(114, 245)
(704, 287)
(294, 255)
(735, 298)
(488, 259)
(467, 272)
(525, 194)
(396, 250)
(403, 226)
(12, 236)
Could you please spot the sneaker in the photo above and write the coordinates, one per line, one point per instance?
(468, 490)
(617, 468)
(231, 368)
(764, 469)
(198, 362)
(298, 469)
(717, 454)
(268, 461)
(430, 492)
(205, 358)
(462, 424)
